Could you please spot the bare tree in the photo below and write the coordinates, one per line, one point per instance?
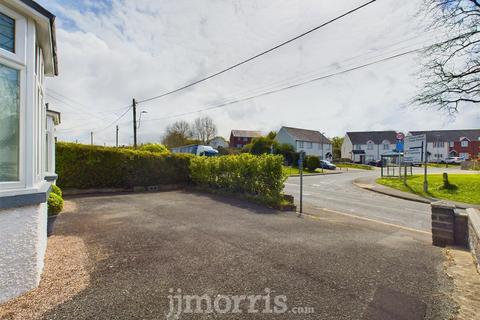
(452, 70)
(177, 134)
(204, 129)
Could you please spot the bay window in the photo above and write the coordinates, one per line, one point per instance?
(7, 33)
(9, 124)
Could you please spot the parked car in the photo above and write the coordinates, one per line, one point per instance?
(324, 164)
(375, 163)
(454, 160)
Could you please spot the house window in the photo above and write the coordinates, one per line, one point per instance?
(300, 144)
(464, 155)
(370, 146)
(7, 33)
(451, 144)
(358, 147)
(245, 139)
(464, 143)
(309, 145)
(9, 124)
(386, 146)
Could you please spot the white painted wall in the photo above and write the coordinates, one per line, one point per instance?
(347, 148)
(316, 149)
(23, 242)
(23, 229)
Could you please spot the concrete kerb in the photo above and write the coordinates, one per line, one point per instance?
(316, 174)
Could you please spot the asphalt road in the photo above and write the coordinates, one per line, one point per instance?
(143, 245)
(337, 193)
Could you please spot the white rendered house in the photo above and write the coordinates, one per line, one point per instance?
(312, 142)
(27, 55)
(366, 146)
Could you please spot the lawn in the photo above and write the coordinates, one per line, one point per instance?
(354, 166)
(288, 171)
(468, 186)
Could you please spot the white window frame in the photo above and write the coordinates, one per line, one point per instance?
(17, 60)
(300, 144)
(464, 143)
(309, 145)
(370, 145)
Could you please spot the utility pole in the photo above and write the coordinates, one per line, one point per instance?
(116, 137)
(91, 138)
(134, 105)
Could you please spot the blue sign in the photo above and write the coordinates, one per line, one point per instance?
(399, 147)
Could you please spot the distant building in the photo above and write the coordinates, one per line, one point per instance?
(312, 142)
(218, 142)
(442, 144)
(239, 138)
(366, 146)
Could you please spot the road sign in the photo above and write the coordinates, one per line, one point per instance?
(414, 148)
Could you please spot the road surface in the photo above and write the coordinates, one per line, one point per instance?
(337, 193)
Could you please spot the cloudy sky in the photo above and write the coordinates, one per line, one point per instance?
(113, 51)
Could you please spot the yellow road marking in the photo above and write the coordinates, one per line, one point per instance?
(366, 219)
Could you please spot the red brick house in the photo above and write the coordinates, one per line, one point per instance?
(466, 148)
(239, 138)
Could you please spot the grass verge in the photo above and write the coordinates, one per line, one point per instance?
(354, 166)
(468, 190)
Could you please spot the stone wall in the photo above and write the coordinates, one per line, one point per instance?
(23, 242)
(474, 234)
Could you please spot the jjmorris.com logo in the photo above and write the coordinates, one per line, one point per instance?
(180, 303)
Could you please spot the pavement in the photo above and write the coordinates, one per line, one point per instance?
(142, 245)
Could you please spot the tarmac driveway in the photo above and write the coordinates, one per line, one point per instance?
(143, 245)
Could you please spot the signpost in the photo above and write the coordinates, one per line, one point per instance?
(416, 152)
(300, 168)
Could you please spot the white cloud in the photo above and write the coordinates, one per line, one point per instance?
(111, 53)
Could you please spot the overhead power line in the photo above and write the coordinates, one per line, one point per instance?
(323, 77)
(289, 87)
(258, 55)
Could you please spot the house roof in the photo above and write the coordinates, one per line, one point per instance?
(246, 133)
(51, 33)
(307, 135)
(449, 135)
(362, 137)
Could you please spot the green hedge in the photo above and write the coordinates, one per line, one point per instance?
(82, 167)
(259, 177)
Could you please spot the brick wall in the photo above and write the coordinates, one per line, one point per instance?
(449, 225)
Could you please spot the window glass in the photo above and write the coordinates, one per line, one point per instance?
(9, 124)
(7, 33)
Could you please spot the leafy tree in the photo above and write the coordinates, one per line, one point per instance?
(452, 70)
(287, 151)
(337, 147)
(272, 135)
(262, 145)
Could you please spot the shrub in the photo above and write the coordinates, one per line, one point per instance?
(154, 147)
(260, 177)
(56, 190)
(55, 204)
(81, 166)
(312, 162)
